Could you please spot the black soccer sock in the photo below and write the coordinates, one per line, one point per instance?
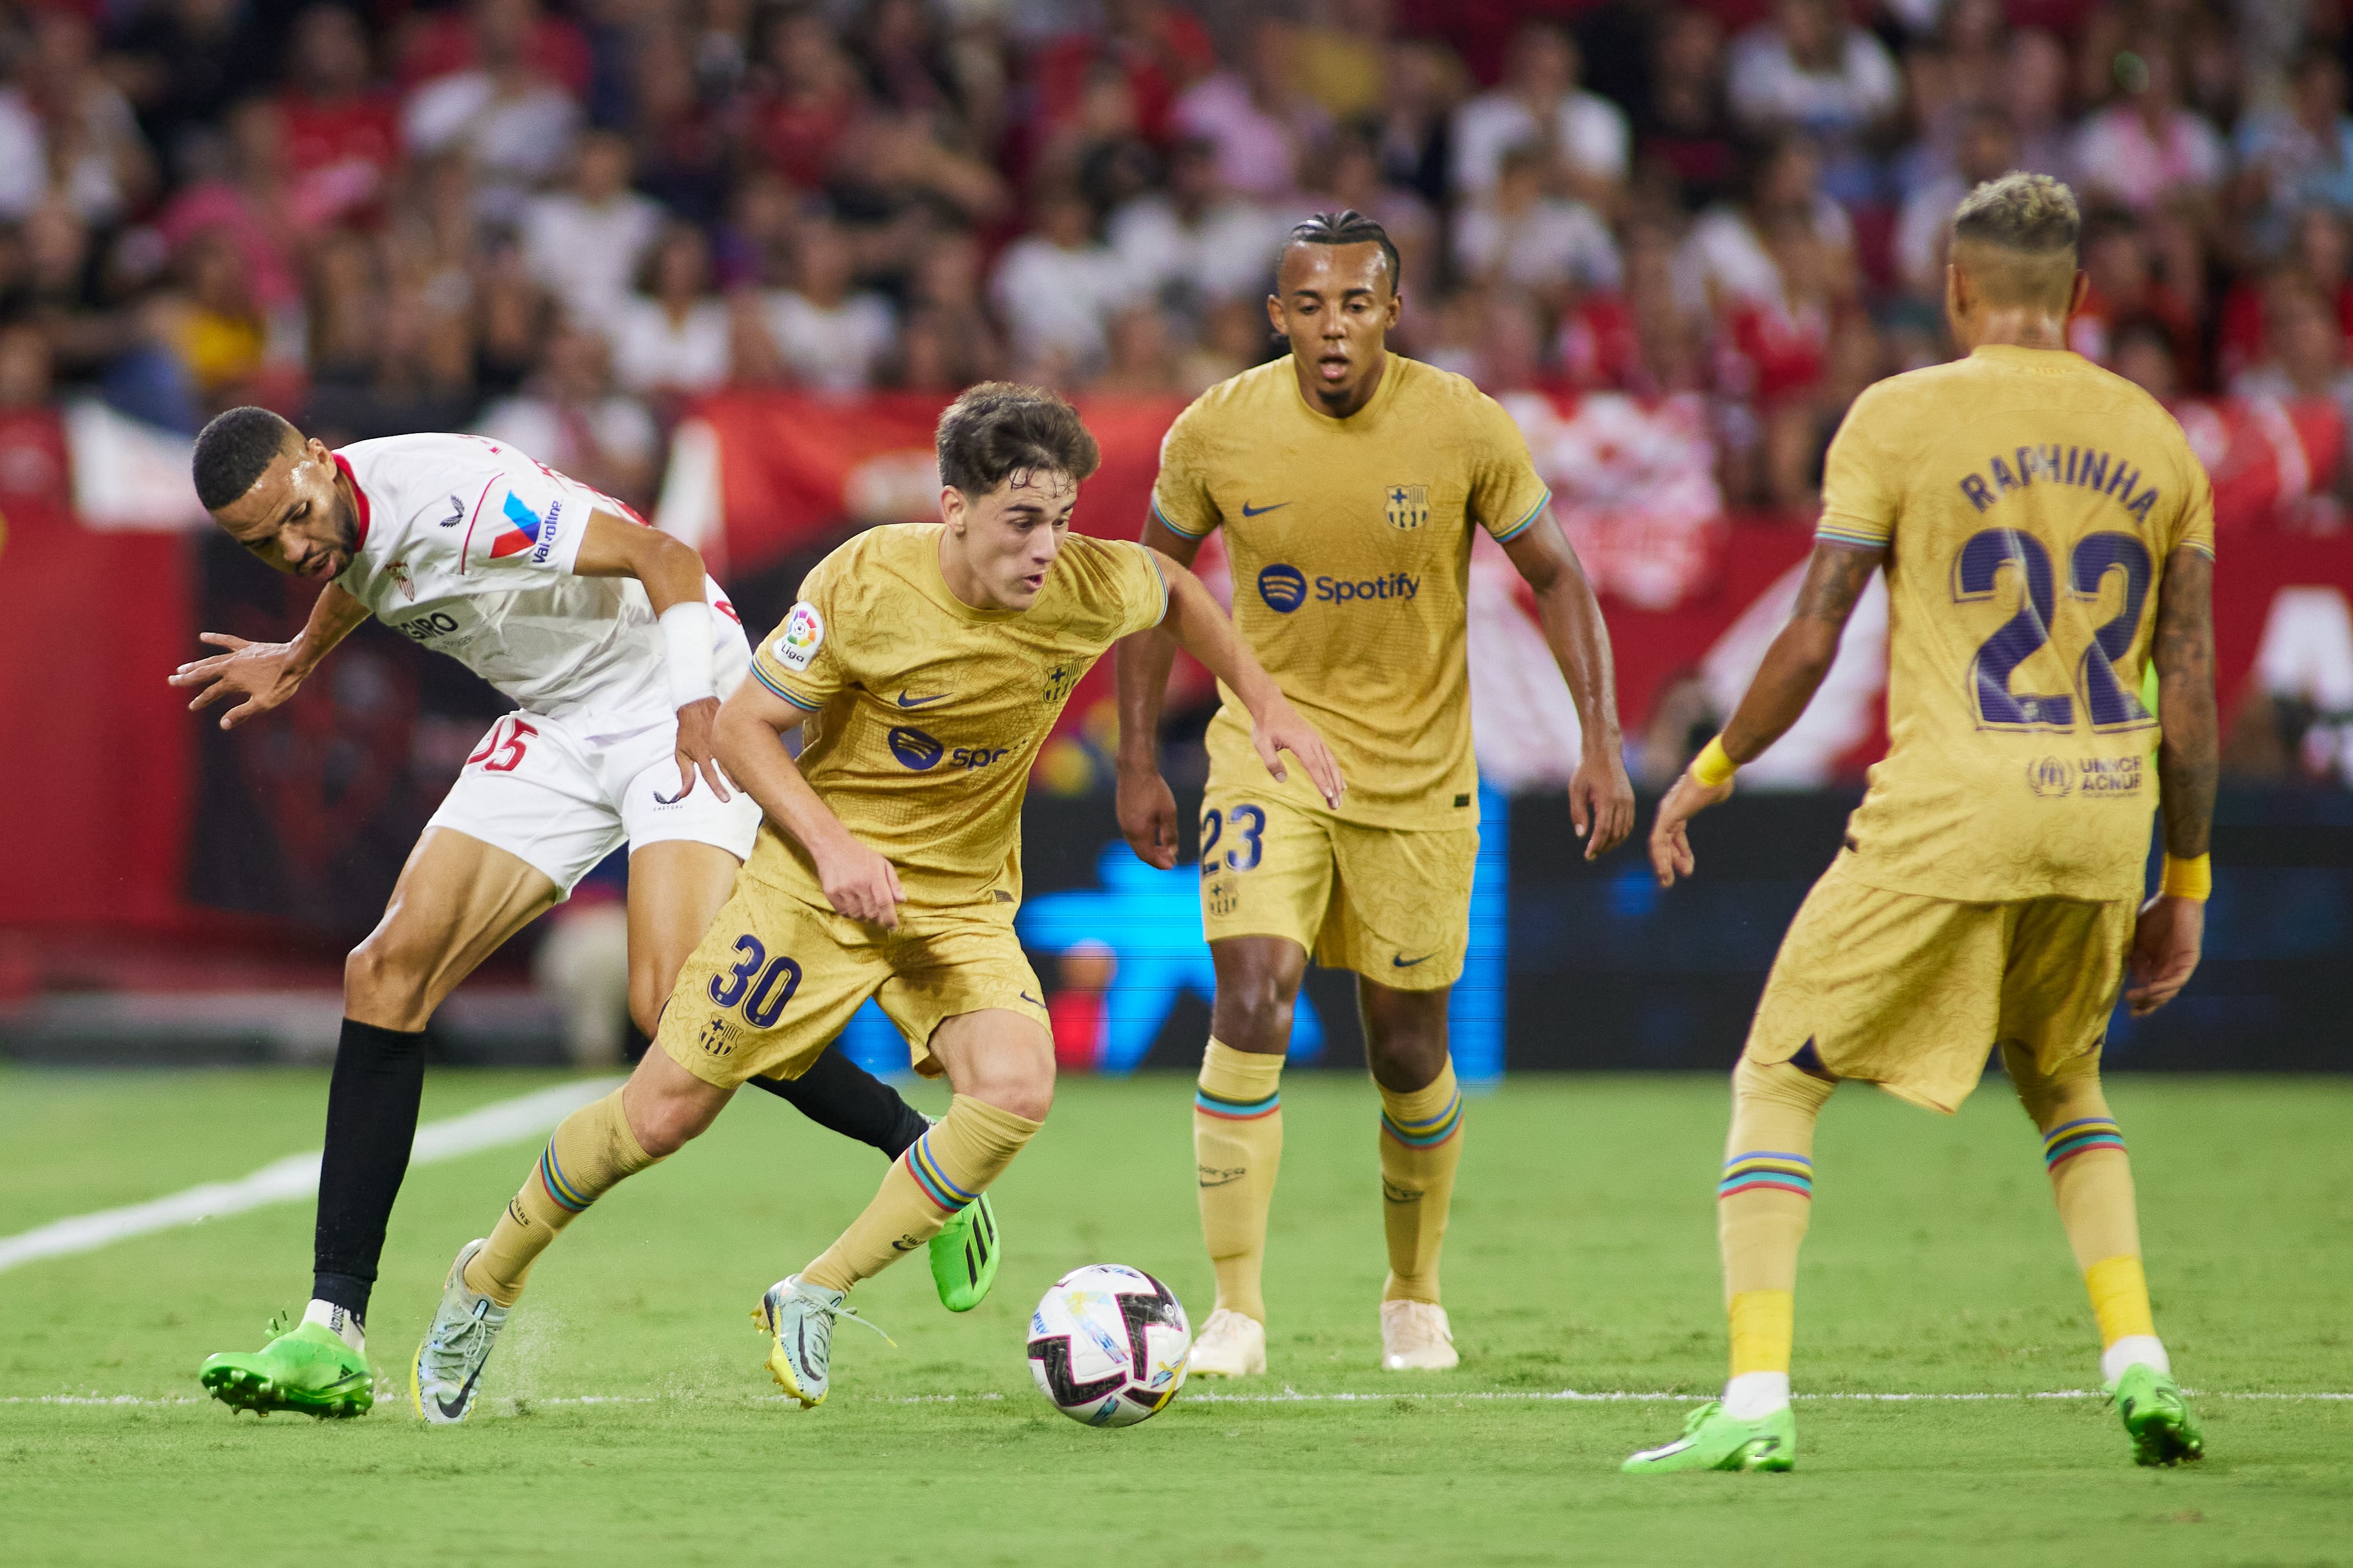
(371, 1122)
(839, 1094)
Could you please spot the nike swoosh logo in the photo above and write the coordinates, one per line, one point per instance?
(1031, 1000)
(452, 1409)
(1250, 510)
(1409, 962)
(907, 701)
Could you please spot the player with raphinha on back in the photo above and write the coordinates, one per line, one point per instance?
(2048, 537)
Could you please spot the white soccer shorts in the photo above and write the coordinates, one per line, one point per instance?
(537, 788)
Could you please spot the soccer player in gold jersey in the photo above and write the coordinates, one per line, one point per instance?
(1348, 480)
(2048, 538)
(926, 663)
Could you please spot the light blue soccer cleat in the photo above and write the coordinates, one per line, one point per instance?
(448, 1371)
(798, 1320)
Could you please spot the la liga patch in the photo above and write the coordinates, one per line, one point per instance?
(803, 635)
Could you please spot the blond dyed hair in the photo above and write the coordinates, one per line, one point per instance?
(2031, 224)
(2033, 214)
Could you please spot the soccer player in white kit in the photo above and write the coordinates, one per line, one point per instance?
(616, 647)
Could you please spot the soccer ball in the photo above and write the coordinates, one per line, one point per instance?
(1108, 1344)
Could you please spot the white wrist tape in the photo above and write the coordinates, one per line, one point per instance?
(686, 652)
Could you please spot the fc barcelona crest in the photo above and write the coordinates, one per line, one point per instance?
(1408, 505)
(1061, 673)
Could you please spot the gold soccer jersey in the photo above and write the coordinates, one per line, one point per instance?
(2028, 500)
(926, 712)
(1350, 542)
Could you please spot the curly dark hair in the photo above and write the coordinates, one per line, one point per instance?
(999, 427)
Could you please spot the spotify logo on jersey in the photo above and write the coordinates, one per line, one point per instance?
(1285, 588)
(915, 749)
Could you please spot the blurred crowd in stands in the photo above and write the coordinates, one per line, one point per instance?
(558, 219)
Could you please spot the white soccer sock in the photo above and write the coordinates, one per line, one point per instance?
(343, 1320)
(2133, 1349)
(1755, 1394)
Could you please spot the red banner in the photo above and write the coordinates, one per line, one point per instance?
(93, 817)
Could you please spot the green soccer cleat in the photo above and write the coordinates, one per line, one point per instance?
(1715, 1441)
(447, 1368)
(963, 1255)
(2156, 1415)
(308, 1368)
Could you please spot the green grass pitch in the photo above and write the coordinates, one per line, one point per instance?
(626, 1418)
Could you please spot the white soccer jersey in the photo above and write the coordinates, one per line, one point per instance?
(467, 545)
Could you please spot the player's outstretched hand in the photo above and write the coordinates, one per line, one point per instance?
(859, 881)
(1147, 816)
(1281, 728)
(1671, 851)
(1601, 803)
(264, 673)
(698, 747)
(2167, 941)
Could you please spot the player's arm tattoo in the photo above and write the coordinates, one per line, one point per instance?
(2188, 757)
(1794, 666)
(1836, 576)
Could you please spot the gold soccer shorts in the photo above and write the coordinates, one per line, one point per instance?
(1913, 993)
(774, 980)
(1393, 904)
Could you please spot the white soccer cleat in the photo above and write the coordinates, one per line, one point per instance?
(1415, 1338)
(1230, 1345)
(798, 1320)
(448, 1364)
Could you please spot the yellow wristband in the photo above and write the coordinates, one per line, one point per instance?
(1712, 768)
(2188, 879)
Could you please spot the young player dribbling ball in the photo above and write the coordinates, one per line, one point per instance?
(924, 665)
(2048, 537)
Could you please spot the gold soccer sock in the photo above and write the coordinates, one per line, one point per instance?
(940, 1172)
(2091, 1177)
(1420, 1150)
(1762, 1207)
(592, 1148)
(1238, 1152)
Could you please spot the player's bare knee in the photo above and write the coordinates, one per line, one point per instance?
(1257, 990)
(1257, 1019)
(1405, 1035)
(1018, 1088)
(663, 1123)
(2070, 1094)
(384, 984)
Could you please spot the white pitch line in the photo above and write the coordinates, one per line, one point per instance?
(1569, 1396)
(297, 1176)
